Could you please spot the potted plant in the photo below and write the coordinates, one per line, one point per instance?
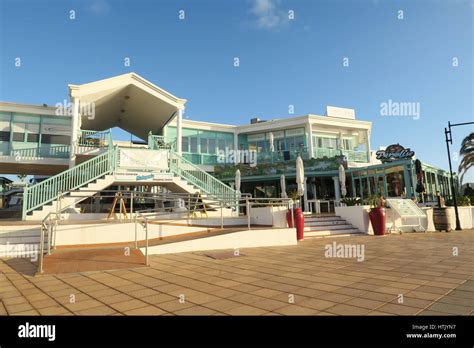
(351, 201)
(293, 194)
(377, 214)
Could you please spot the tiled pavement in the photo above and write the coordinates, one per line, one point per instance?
(433, 272)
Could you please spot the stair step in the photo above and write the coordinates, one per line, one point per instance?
(325, 223)
(331, 232)
(323, 218)
(328, 228)
(352, 234)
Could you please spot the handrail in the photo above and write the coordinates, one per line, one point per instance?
(48, 190)
(201, 179)
(93, 138)
(156, 142)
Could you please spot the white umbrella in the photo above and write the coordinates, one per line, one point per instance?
(237, 180)
(283, 187)
(342, 180)
(270, 140)
(300, 175)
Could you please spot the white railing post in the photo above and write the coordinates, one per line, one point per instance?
(222, 215)
(136, 242)
(146, 241)
(40, 264)
(248, 212)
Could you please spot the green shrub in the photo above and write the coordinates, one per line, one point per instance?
(462, 201)
(351, 201)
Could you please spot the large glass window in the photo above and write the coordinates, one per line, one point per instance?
(185, 144)
(193, 145)
(212, 146)
(19, 130)
(221, 144)
(32, 135)
(204, 147)
(326, 143)
(55, 139)
(4, 136)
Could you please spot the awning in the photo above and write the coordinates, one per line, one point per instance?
(126, 101)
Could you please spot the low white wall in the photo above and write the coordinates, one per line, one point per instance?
(243, 239)
(358, 216)
(269, 216)
(466, 217)
(115, 233)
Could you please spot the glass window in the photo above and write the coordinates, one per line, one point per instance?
(55, 139)
(212, 146)
(193, 145)
(18, 136)
(4, 136)
(261, 146)
(32, 138)
(185, 144)
(221, 144)
(19, 130)
(204, 148)
(299, 141)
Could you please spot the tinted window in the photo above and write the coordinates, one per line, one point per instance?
(4, 136)
(32, 138)
(18, 136)
(55, 139)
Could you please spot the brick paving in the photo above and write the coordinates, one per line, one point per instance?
(409, 274)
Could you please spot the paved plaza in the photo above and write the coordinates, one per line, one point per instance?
(409, 274)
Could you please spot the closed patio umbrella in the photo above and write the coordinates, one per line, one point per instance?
(342, 180)
(270, 140)
(237, 180)
(283, 187)
(300, 175)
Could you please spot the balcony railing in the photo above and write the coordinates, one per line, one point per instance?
(156, 142)
(352, 155)
(93, 138)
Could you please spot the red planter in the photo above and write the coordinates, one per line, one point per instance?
(299, 223)
(378, 220)
(289, 218)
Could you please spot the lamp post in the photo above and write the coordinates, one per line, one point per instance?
(449, 140)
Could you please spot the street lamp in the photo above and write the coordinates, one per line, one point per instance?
(449, 140)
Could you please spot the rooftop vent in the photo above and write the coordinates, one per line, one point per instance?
(256, 120)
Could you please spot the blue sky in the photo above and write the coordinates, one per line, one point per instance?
(282, 62)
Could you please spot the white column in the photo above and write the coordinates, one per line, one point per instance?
(337, 188)
(179, 130)
(74, 132)
(236, 148)
(309, 132)
(305, 196)
(368, 145)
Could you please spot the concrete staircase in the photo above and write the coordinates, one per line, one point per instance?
(72, 198)
(327, 226)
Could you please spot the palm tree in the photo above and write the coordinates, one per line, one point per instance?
(467, 154)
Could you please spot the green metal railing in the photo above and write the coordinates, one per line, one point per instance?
(158, 142)
(352, 155)
(50, 189)
(93, 138)
(201, 179)
(50, 151)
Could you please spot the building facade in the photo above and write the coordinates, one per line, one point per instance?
(47, 140)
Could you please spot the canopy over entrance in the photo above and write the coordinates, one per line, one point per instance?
(126, 101)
